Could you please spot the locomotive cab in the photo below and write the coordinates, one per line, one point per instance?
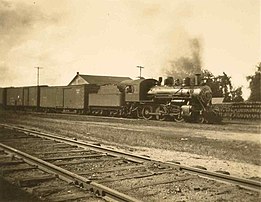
(137, 90)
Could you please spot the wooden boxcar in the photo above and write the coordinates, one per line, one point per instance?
(22, 97)
(73, 97)
(51, 97)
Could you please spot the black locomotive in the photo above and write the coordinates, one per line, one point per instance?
(142, 98)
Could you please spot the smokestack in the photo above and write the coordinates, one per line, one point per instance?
(159, 81)
(197, 79)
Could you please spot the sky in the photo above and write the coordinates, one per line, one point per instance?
(113, 37)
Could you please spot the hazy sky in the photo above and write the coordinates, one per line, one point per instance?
(112, 37)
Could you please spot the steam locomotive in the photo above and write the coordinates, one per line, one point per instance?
(142, 98)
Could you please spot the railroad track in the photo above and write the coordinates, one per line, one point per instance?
(114, 175)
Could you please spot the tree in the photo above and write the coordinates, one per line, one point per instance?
(225, 82)
(237, 95)
(254, 84)
(221, 86)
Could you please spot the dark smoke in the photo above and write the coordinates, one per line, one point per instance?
(188, 65)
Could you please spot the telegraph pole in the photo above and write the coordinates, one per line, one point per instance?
(38, 75)
(38, 87)
(140, 67)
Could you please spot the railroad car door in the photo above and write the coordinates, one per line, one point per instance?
(59, 97)
(68, 96)
(33, 96)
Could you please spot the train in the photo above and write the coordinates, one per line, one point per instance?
(190, 100)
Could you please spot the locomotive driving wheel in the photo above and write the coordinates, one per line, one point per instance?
(162, 112)
(146, 110)
(139, 113)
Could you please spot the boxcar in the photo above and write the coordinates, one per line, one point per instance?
(51, 97)
(73, 97)
(22, 97)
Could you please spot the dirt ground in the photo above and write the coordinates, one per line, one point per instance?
(233, 146)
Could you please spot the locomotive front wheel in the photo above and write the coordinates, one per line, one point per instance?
(161, 111)
(146, 110)
(179, 118)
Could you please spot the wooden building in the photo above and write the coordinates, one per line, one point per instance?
(98, 80)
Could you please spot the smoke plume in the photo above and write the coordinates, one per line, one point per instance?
(188, 64)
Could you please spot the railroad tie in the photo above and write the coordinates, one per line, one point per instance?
(33, 181)
(71, 197)
(10, 170)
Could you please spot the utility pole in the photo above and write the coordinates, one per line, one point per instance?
(38, 75)
(38, 87)
(140, 67)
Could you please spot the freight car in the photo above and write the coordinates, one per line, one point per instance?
(22, 97)
(66, 98)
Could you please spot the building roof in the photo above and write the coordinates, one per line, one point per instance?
(95, 79)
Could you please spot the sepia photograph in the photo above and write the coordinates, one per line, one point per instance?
(130, 100)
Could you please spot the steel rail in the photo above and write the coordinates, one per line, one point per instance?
(242, 182)
(82, 182)
(128, 156)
